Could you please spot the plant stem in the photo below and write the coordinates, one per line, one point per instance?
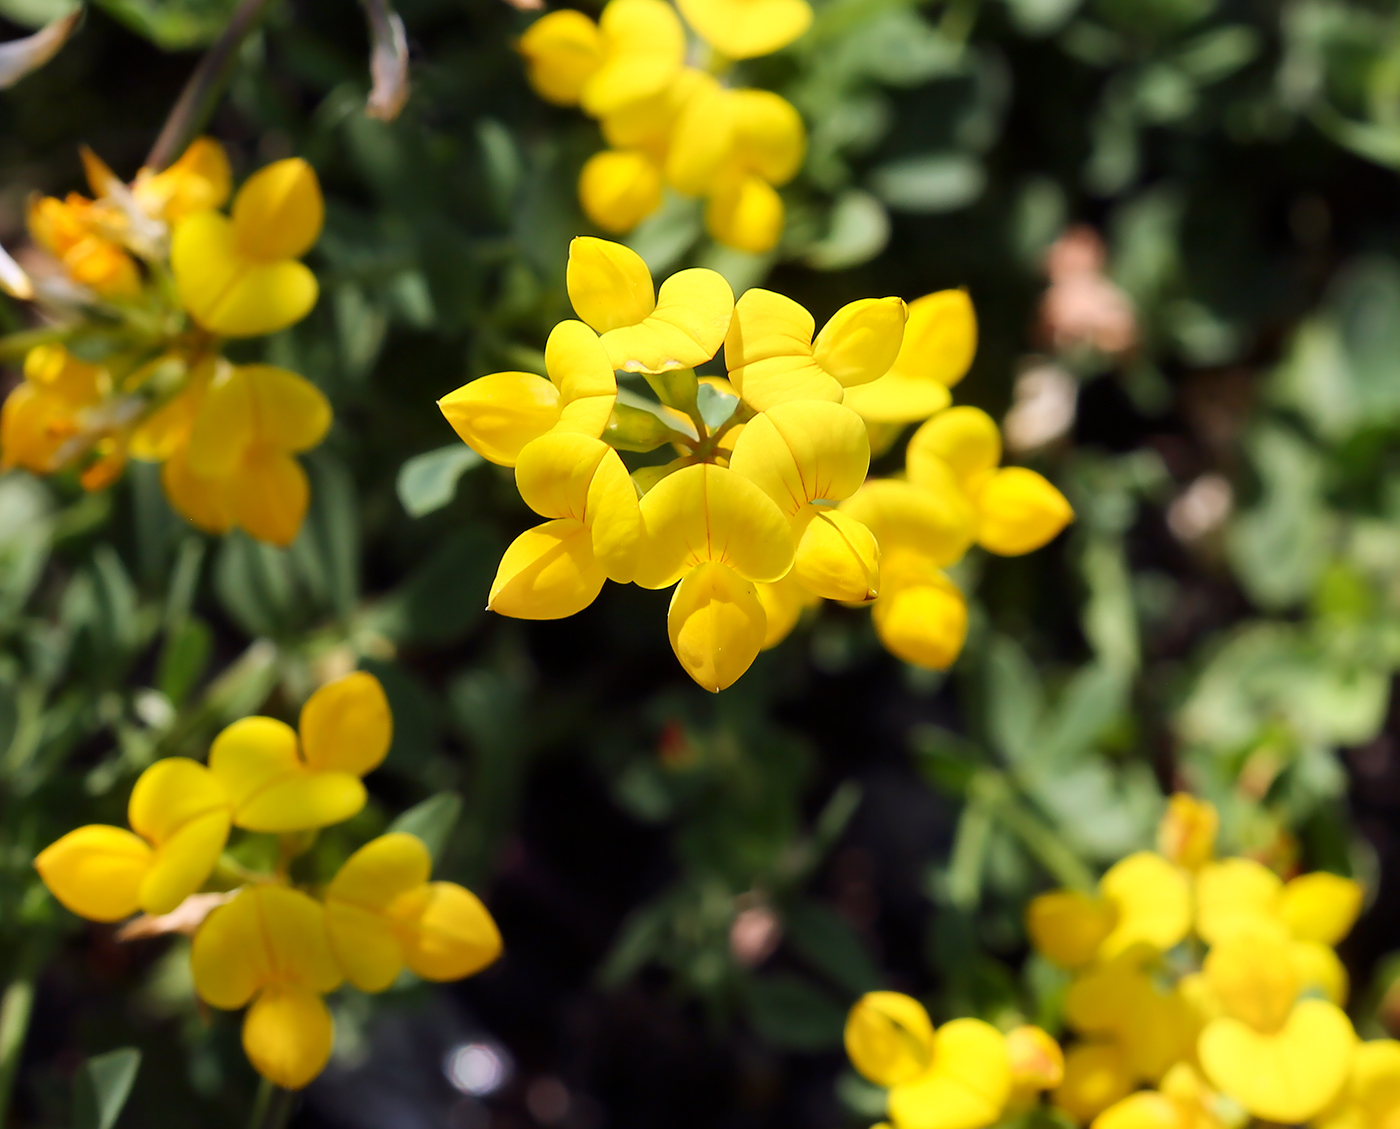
(16, 1007)
(1039, 838)
(272, 1108)
(205, 87)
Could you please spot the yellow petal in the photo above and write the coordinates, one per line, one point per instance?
(861, 340)
(644, 45)
(717, 625)
(96, 871)
(897, 399)
(266, 935)
(802, 451)
(303, 803)
(346, 725)
(619, 188)
(553, 473)
(1374, 1085)
(935, 525)
(609, 284)
(278, 212)
(1321, 907)
(497, 415)
(248, 404)
(199, 181)
(940, 339)
(361, 932)
(169, 794)
(1186, 833)
(1253, 974)
(548, 572)
(783, 601)
(1020, 511)
(1068, 927)
(1146, 1109)
(702, 141)
(889, 1038)
(614, 519)
(706, 514)
(1319, 969)
(365, 944)
(1037, 1062)
(968, 1086)
(269, 495)
(923, 622)
(1289, 1076)
(183, 863)
(204, 501)
(1096, 1077)
(745, 212)
(769, 137)
(966, 439)
(836, 557)
(746, 29)
(1152, 899)
(1232, 894)
(562, 51)
(578, 366)
(229, 294)
(445, 931)
(288, 1036)
(687, 327)
(768, 352)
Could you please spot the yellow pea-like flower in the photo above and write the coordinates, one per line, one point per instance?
(72, 230)
(277, 782)
(1283, 1058)
(1096, 1077)
(1068, 926)
(1120, 1001)
(237, 466)
(967, 1086)
(746, 29)
(964, 439)
(240, 276)
(889, 1038)
(200, 181)
(935, 525)
(618, 188)
(595, 532)
(649, 124)
(383, 915)
(562, 51)
(940, 340)
(1371, 1097)
(1037, 1064)
(269, 947)
(920, 615)
(1146, 1109)
(705, 515)
(772, 356)
(745, 212)
(497, 415)
(42, 416)
(1187, 831)
(179, 813)
(1234, 894)
(721, 133)
(783, 603)
(644, 330)
(1320, 907)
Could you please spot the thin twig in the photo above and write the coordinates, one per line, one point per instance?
(205, 87)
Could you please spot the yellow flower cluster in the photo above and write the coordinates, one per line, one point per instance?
(1215, 984)
(177, 275)
(766, 507)
(670, 124)
(964, 1075)
(269, 944)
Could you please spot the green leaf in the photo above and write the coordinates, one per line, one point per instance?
(432, 820)
(102, 1087)
(184, 658)
(427, 482)
(793, 1013)
(446, 595)
(1015, 700)
(715, 406)
(173, 25)
(941, 182)
(826, 941)
(858, 227)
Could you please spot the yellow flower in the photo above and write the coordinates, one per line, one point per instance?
(200, 181)
(937, 526)
(806, 455)
(1239, 893)
(649, 124)
(1186, 834)
(920, 616)
(783, 602)
(71, 230)
(596, 531)
(718, 534)
(240, 276)
(744, 212)
(1018, 510)
(269, 947)
(889, 1038)
(497, 415)
(772, 357)
(1143, 899)
(1281, 1057)
(633, 51)
(1037, 1064)
(745, 29)
(1371, 1097)
(1182, 1101)
(618, 188)
(642, 330)
(41, 421)
(237, 466)
(1096, 1077)
(940, 340)
(278, 783)
(382, 915)
(180, 813)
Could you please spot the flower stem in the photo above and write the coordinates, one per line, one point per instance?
(205, 87)
(272, 1108)
(16, 1007)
